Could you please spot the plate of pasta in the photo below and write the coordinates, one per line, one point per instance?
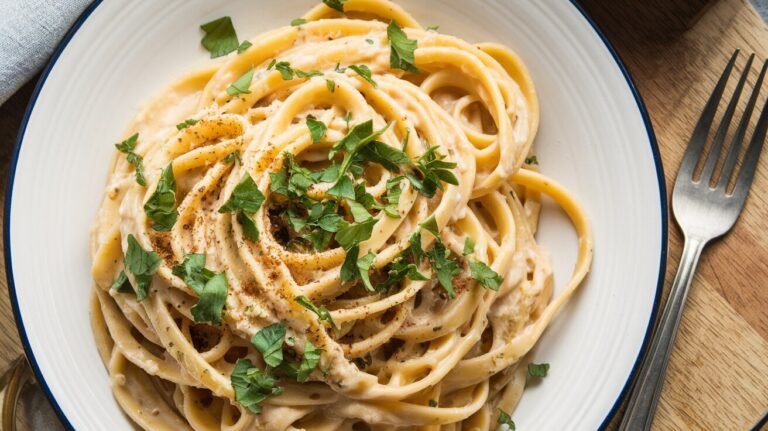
(337, 214)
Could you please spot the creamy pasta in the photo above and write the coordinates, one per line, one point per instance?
(332, 228)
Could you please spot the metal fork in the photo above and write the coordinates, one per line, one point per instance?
(703, 213)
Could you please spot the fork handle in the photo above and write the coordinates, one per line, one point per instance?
(645, 395)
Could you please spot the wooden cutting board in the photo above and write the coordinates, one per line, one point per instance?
(675, 50)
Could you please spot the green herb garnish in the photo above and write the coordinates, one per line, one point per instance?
(505, 419)
(533, 160)
(141, 264)
(365, 72)
(252, 385)
(298, 21)
(316, 128)
(485, 275)
(538, 370)
(434, 170)
(246, 199)
(242, 85)
(335, 4)
(269, 341)
(122, 284)
(244, 46)
(161, 206)
(331, 85)
(210, 287)
(322, 313)
(186, 123)
(126, 147)
(469, 246)
(220, 38)
(401, 49)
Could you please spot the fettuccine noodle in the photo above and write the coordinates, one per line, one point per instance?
(403, 356)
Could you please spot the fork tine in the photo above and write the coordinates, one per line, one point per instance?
(700, 132)
(744, 181)
(738, 138)
(725, 123)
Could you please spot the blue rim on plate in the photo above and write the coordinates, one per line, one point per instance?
(89, 10)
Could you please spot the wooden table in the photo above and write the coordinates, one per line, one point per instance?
(675, 49)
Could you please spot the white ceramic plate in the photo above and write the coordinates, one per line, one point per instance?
(595, 138)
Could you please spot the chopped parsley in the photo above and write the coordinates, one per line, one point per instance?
(210, 287)
(352, 234)
(369, 41)
(126, 147)
(355, 267)
(232, 157)
(298, 21)
(245, 200)
(322, 313)
(309, 362)
(505, 419)
(432, 403)
(365, 72)
(186, 123)
(288, 72)
(161, 206)
(335, 4)
(142, 265)
(122, 284)
(430, 225)
(484, 275)
(445, 266)
(252, 385)
(316, 128)
(331, 85)
(532, 160)
(469, 246)
(242, 85)
(538, 370)
(433, 28)
(269, 342)
(220, 37)
(244, 46)
(434, 170)
(401, 49)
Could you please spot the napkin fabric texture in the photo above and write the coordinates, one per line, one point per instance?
(30, 30)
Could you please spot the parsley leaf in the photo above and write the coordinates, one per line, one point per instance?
(485, 275)
(269, 341)
(430, 225)
(309, 361)
(356, 267)
(245, 197)
(210, 287)
(220, 38)
(505, 419)
(469, 246)
(538, 370)
(331, 85)
(401, 49)
(322, 313)
(350, 235)
(393, 197)
(344, 188)
(122, 284)
(432, 403)
(365, 72)
(359, 212)
(193, 272)
(142, 264)
(433, 28)
(210, 305)
(298, 21)
(369, 41)
(308, 74)
(249, 226)
(186, 123)
(434, 170)
(533, 160)
(388, 157)
(233, 156)
(316, 128)
(335, 4)
(161, 206)
(126, 147)
(252, 385)
(244, 46)
(357, 138)
(242, 85)
(445, 267)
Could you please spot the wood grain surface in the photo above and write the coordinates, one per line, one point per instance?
(675, 50)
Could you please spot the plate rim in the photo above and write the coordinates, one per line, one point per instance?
(660, 178)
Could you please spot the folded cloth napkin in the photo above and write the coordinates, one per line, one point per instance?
(29, 32)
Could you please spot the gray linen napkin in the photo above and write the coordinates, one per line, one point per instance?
(29, 32)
